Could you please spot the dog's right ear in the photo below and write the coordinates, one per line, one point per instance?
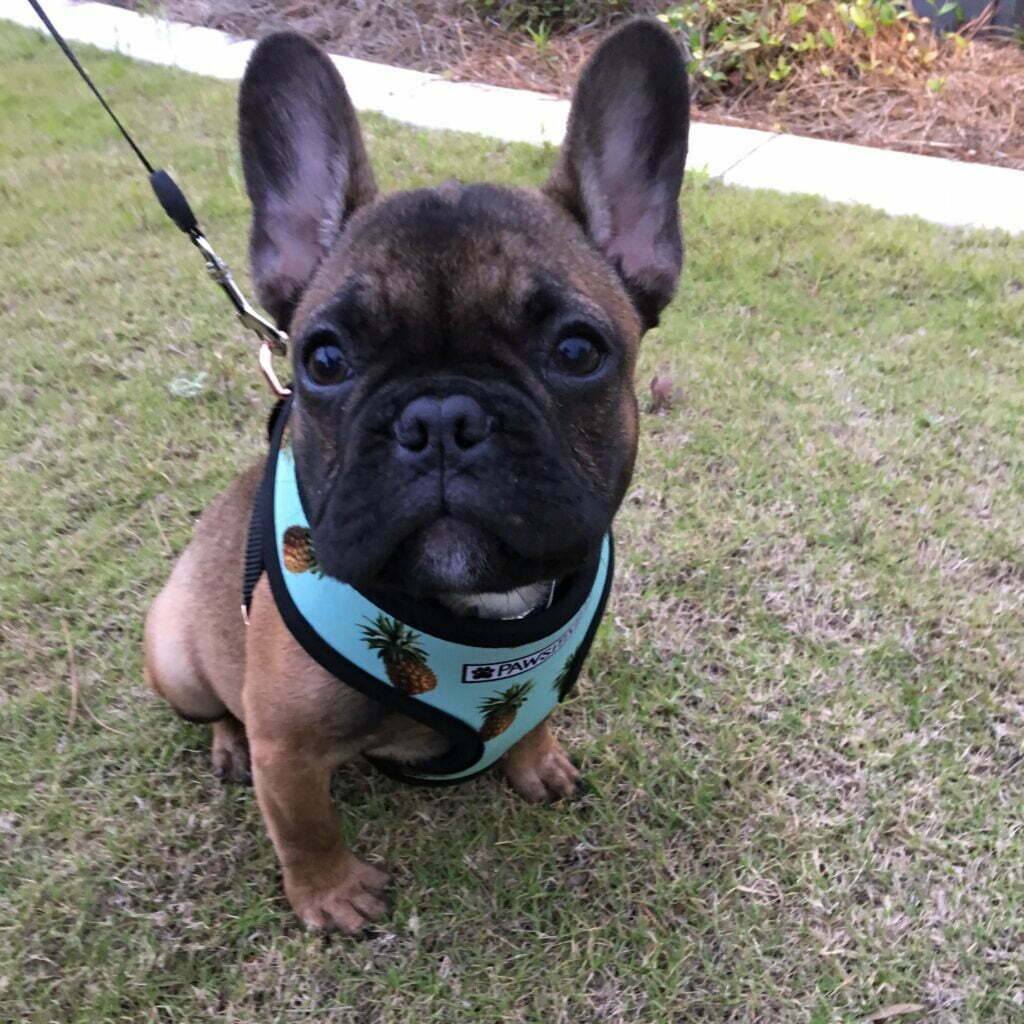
(305, 165)
(621, 168)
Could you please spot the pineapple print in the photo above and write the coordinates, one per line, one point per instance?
(404, 659)
(298, 550)
(500, 710)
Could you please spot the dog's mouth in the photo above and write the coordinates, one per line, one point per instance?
(445, 555)
(453, 555)
(473, 542)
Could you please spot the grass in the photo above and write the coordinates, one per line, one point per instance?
(804, 717)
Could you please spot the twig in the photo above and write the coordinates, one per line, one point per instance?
(101, 723)
(73, 677)
(76, 697)
(168, 550)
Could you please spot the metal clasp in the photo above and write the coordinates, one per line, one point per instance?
(266, 358)
(275, 341)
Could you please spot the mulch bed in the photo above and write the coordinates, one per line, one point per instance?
(978, 115)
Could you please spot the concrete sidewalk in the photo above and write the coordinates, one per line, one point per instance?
(942, 191)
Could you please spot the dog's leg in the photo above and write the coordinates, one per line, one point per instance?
(177, 634)
(539, 768)
(231, 751)
(301, 725)
(171, 661)
(326, 884)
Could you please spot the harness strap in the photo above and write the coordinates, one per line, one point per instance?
(254, 538)
(253, 559)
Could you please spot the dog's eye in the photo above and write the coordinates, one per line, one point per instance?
(325, 361)
(577, 356)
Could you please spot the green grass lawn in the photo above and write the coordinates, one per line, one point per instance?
(803, 721)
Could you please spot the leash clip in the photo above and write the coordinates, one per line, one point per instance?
(275, 341)
(266, 359)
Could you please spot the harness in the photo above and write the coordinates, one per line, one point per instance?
(481, 683)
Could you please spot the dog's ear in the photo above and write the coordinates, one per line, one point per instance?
(305, 165)
(621, 167)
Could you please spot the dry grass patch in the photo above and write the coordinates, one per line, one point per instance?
(802, 723)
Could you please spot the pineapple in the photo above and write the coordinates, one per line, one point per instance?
(500, 710)
(404, 659)
(298, 550)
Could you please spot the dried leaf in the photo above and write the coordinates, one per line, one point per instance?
(664, 393)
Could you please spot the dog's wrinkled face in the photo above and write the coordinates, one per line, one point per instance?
(465, 399)
(466, 411)
(464, 417)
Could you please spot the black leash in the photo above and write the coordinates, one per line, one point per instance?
(175, 205)
(59, 39)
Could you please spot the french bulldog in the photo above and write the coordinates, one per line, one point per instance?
(464, 421)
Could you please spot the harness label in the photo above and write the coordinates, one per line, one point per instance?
(488, 672)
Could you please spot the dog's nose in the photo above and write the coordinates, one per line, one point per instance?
(456, 423)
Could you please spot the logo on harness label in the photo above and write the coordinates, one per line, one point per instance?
(485, 673)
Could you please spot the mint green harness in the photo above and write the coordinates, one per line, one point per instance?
(482, 683)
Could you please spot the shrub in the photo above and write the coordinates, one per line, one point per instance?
(736, 45)
(555, 14)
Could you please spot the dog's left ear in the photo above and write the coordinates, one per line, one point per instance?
(305, 165)
(621, 167)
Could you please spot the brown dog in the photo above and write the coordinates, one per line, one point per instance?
(464, 422)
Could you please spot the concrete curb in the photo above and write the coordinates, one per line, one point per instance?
(946, 192)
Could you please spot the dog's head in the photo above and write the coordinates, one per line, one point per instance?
(464, 415)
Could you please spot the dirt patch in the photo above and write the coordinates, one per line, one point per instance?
(977, 115)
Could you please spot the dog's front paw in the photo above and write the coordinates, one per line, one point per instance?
(344, 898)
(539, 768)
